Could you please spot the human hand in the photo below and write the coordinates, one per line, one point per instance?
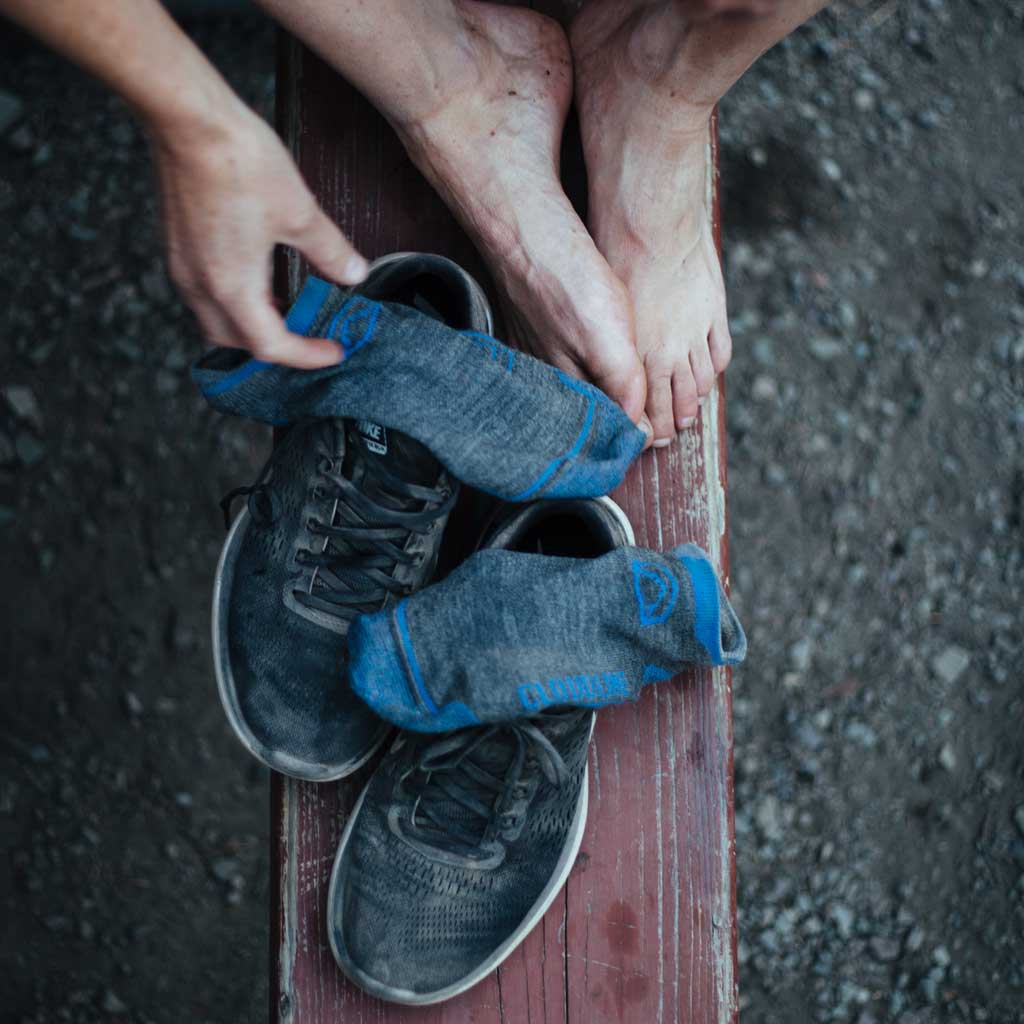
(230, 192)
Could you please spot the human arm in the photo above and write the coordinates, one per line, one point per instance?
(229, 189)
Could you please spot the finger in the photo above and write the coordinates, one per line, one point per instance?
(323, 244)
(216, 327)
(259, 328)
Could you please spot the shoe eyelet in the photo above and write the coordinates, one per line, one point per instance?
(325, 464)
(313, 525)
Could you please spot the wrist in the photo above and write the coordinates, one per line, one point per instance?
(204, 111)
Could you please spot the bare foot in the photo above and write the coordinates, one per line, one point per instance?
(645, 129)
(490, 146)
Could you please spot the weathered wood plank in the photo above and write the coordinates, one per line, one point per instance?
(646, 928)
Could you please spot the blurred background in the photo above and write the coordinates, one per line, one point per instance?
(872, 197)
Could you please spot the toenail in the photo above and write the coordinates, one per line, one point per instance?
(662, 442)
(687, 421)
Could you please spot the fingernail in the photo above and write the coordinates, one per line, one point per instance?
(662, 442)
(356, 270)
(687, 421)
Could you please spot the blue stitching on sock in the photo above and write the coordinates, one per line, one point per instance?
(655, 674)
(484, 341)
(654, 612)
(707, 625)
(299, 320)
(556, 463)
(371, 314)
(246, 370)
(332, 326)
(417, 676)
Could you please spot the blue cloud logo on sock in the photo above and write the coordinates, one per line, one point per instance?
(353, 325)
(656, 592)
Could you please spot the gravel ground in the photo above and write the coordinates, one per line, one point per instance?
(871, 168)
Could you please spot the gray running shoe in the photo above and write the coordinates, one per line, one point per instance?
(460, 843)
(346, 517)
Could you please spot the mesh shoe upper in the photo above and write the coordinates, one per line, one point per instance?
(416, 909)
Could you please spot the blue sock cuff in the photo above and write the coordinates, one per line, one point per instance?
(383, 670)
(307, 305)
(722, 638)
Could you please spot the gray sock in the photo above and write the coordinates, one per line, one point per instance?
(499, 420)
(509, 634)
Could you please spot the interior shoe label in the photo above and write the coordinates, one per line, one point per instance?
(375, 436)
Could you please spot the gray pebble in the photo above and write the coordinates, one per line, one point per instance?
(22, 402)
(112, 1004)
(950, 664)
(11, 111)
(883, 949)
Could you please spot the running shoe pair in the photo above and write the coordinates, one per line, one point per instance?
(458, 843)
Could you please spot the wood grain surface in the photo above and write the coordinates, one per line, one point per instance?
(645, 930)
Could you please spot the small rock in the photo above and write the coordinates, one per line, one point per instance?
(864, 100)
(764, 388)
(826, 349)
(183, 799)
(112, 1004)
(947, 757)
(23, 404)
(132, 704)
(915, 939)
(800, 654)
(768, 815)
(226, 869)
(29, 450)
(166, 382)
(842, 916)
(831, 169)
(21, 139)
(11, 111)
(941, 957)
(7, 452)
(1018, 818)
(884, 950)
(951, 664)
(862, 734)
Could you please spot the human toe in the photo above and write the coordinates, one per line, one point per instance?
(685, 398)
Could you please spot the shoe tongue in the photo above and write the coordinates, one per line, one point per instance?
(369, 443)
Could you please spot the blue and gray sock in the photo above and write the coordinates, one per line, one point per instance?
(498, 420)
(509, 634)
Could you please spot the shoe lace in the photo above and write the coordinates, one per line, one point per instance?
(458, 793)
(364, 541)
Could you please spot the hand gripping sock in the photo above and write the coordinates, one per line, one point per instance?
(508, 635)
(498, 420)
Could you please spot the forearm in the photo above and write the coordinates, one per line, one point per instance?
(136, 48)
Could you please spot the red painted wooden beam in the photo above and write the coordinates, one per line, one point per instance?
(645, 930)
